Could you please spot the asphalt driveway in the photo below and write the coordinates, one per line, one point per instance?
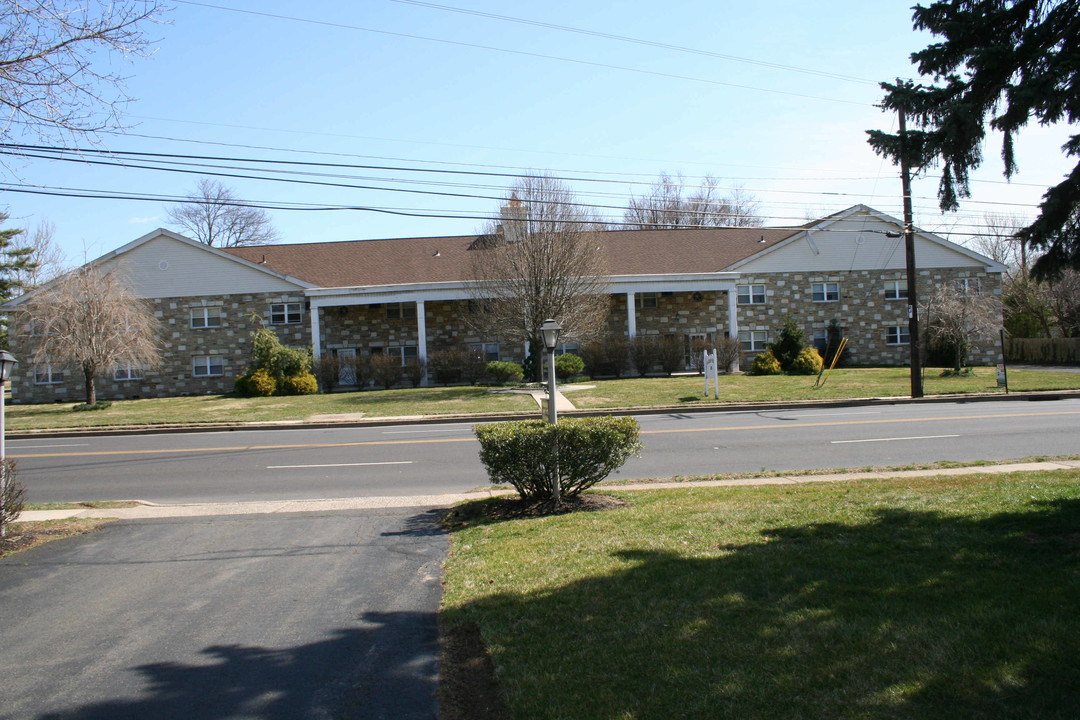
(307, 615)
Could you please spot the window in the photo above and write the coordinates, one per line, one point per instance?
(751, 294)
(400, 311)
(968, 286)
(820, 340)
(897, 335)
(565, 348)
(488, 352)
(128, 371)
(285, 314)
(37, 328)
(753, 340)
(826, 292)
(47, 375)
(896, 290)
(408, 354)
(646, 300)
(206, 317)
(207, 366)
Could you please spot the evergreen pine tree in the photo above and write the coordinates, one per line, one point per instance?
(12, 259)
(1000, 63)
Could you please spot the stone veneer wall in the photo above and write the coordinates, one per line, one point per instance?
(241, 315)
(862, 310)
(675, 314)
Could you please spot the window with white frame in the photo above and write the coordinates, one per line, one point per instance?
(968, 286)
(896, 289)
(753, 340)
(567, 348)
(408, 354)
(826, 292)
(36, 328)
(206, 317)
(646, 300)
(488, 352)
(897, 335)
(820, 339)
(286, 313)
(400, 311)
(127, 371)
(751, 294)
(47, 375)
(207, 366)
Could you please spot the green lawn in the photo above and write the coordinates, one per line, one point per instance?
(939, 597)
(631, 392)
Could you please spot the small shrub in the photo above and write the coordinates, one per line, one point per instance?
(606, 358)
(790, 341)
(259, 383)
(765, 364)
(807, 362)
(446, 367)
(328, 372)
(414, 372)
(526, 453)
(502, 371)
(568, 366)
(12, 495)
(728, 352)
(301, 383)
(670, 355)
(385, 370)
(643, 354)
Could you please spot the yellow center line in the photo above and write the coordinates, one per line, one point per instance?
(430, 441)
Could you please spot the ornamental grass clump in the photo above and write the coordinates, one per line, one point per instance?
(528, 454)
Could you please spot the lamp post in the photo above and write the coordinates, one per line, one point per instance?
(7, 364)
(550, 331)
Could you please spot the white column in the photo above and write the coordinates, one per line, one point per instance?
(631, 316)
(316, 339)
(421, 337)
(733, 320)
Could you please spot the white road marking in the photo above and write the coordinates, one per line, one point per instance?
(869, 412)
(917, 437)
(413, 432)
(284, 467)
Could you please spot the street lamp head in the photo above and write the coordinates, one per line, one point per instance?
(550, 330)
(7, 364)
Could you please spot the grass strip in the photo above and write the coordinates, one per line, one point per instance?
(935, 597)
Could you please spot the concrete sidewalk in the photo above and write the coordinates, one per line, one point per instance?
(149, 511)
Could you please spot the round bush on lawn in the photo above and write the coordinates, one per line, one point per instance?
(568, 366)
(502, 371)
(765, 364)
(807, 362)
(301, 383)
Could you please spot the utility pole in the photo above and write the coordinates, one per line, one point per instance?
(909, 253)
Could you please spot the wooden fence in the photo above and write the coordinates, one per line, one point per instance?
(1043, 351)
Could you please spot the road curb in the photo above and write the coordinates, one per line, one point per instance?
(1034, 396)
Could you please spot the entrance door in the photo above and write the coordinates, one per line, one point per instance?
(346, 366)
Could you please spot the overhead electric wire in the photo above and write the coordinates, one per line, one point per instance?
(640, 41)
(525, 53)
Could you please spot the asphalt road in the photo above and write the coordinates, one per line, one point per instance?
(297, 616)
(431, 459)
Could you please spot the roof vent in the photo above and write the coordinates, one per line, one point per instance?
(437, 254)
(762, 240)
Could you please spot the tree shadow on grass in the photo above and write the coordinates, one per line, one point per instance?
(387, 670)
(909, 615)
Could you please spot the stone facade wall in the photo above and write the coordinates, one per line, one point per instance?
(240, 316)
(862, 309)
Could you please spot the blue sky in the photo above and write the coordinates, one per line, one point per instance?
(777, 103)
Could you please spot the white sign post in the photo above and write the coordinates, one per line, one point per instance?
(711, 370)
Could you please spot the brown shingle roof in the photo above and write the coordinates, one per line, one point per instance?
(446, 259)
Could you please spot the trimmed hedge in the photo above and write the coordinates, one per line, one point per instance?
(584, 451)
(502, 371)
(301, 383)
(807, 362)
(765, 364)
(568, 366)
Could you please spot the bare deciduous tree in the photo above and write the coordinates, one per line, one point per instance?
(664, 207)
(58, 74)
(90, 321)
(216, 217)
(965, 320)
(542, 258)
(47, 259)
